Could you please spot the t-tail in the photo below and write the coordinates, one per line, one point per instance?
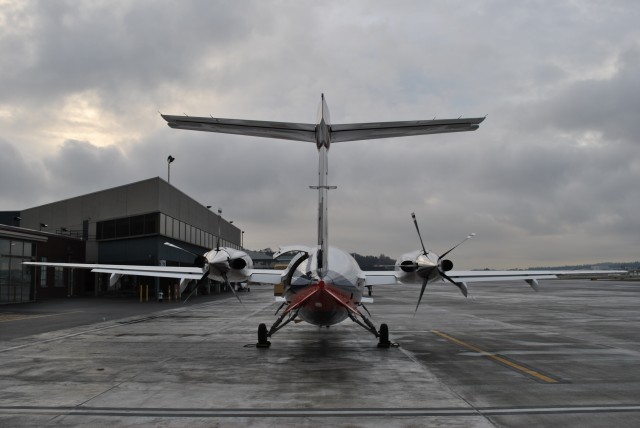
(322, 133)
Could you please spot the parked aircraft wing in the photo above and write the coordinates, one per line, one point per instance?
(380, 278)
(266, 276)
(155, 271)
(507, 275)
(256, 128)
(373, 130)
(392, 278)
(510, 275)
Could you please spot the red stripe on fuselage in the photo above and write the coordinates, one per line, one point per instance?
(319, 300)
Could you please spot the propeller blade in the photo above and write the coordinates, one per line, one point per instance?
(191, 293)
(460, 285)
(469, 236)
(226, 282)
(415, 222)
(169, 244)
(424, 285)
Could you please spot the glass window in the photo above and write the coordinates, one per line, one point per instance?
(163, 224)
(137, 225)
(151, 223)
(170, 227)
(5, 247)
(28, 249)
(43, 274)
(176, 229)
(122, 227)
(16, 248)
(58, 277)
(108, 229)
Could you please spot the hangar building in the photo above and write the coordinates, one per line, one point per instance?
(123, 225)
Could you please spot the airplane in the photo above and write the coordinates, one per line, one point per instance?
(323, 284)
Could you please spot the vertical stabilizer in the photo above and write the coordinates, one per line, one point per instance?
(323, 141)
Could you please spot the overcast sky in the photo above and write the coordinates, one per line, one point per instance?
(551, 177)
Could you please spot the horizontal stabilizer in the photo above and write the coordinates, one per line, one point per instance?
(373, 130)
(255, 128)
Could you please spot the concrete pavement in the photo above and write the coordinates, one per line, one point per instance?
(507, 356)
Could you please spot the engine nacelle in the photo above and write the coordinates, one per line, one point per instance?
(415, 266)
(227, 262)
(446, 265)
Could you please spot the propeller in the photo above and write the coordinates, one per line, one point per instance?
(444, 265)
(202, 262)
(233, 290)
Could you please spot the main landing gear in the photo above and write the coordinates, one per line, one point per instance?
(383, 337)
(262, 337)
(356, 316)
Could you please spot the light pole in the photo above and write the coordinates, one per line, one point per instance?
(169, 160)
(242, 240)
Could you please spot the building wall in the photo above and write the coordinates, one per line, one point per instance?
(81, 215)
(20, 283)
(85, 219)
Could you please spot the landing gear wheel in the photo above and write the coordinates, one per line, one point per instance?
(383, 340)
(262, 337)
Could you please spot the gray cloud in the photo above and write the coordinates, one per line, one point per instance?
(551, 176)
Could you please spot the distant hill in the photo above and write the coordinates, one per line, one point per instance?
(599, 266)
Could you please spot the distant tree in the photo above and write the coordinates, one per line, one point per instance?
(381, 262)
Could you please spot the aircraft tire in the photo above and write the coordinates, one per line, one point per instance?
(383, 340)
(262, 337)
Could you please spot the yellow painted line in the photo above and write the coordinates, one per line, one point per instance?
(497, 358)
(7, 317)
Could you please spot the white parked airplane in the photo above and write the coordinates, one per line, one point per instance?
(323, 284)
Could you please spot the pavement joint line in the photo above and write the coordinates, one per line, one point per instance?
(310, 412)
(499, 359)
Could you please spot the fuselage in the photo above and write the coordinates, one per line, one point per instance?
(327, 299)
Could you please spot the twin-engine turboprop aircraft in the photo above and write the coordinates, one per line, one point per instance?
(323, 284)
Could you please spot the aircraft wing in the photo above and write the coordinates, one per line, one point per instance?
(507, 275)
(380, 277)
(266, 276)
(391, 277)
(511, 275)
(374, 130)
(155, 271)
(255, 128)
